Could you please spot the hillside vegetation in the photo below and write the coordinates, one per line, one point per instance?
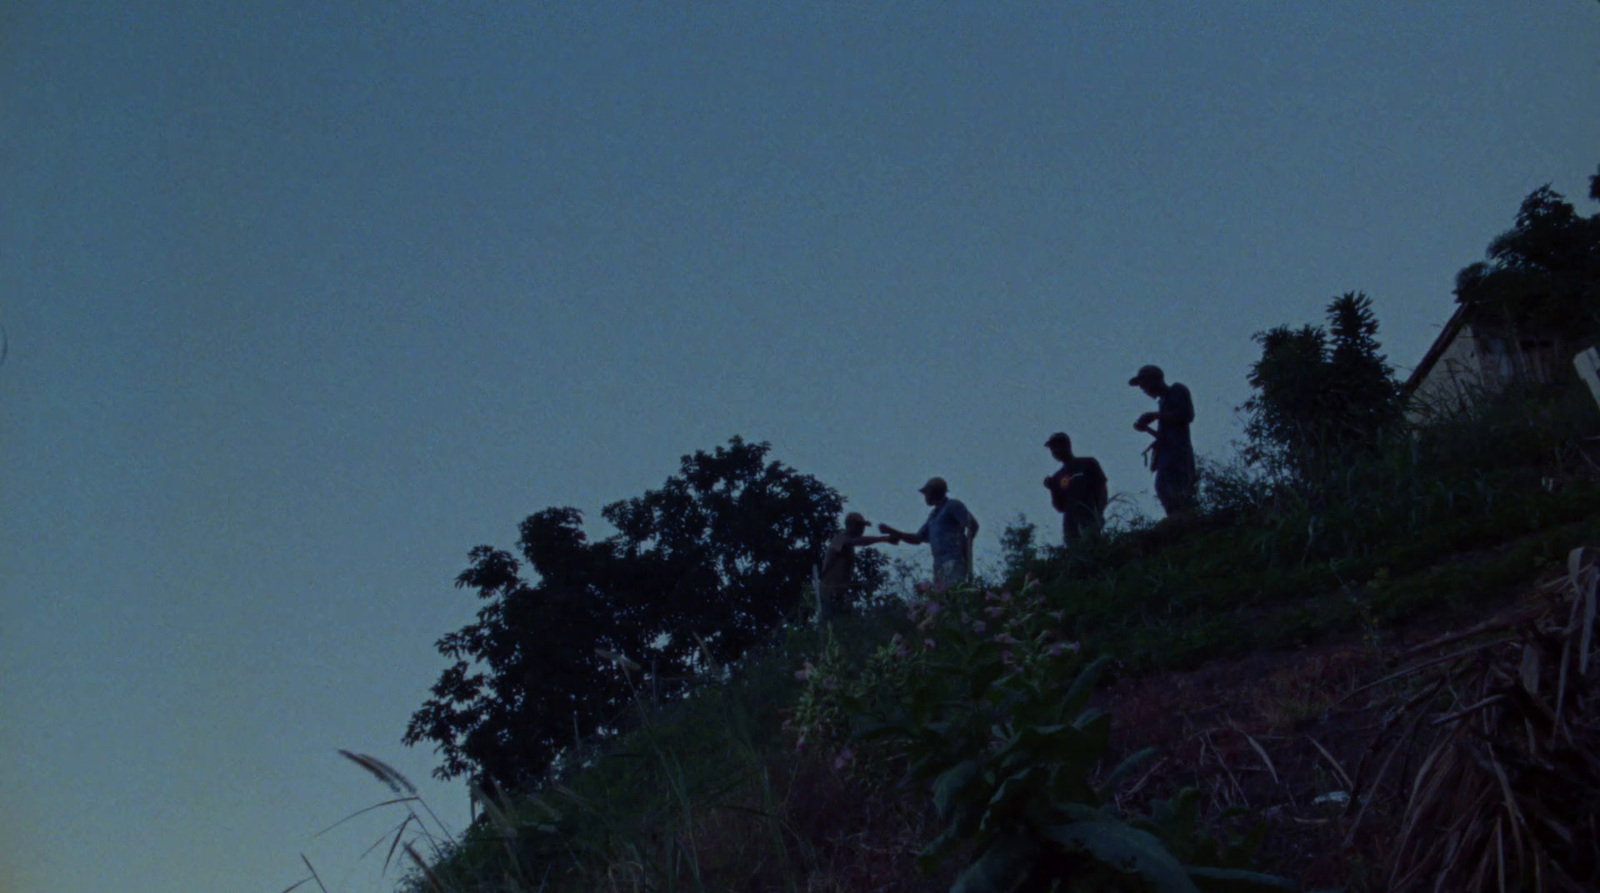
(1364, 661)
(1263, 646)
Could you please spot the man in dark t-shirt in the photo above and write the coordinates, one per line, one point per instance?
(1077, 490)
(1172, 457)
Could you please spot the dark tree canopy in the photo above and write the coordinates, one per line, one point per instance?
(719, 555)
(1544, 272)
(1319, 393)
(1362, 390)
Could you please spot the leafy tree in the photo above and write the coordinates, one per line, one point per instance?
(1319, 393)
(1281, 415)
(1361, 386)
(697, 573)
(1543, 273)
(1019, 547)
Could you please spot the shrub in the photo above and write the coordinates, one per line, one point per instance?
(973, 706)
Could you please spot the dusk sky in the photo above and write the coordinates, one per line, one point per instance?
(303, 301)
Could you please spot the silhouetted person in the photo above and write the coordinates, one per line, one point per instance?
(839, 565)
(949, 530)
(1172, 455)
(1077, 490)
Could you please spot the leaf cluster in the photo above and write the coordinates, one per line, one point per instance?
(1319, 394)
(1543, 273)
(1010, 752)
(698, 572)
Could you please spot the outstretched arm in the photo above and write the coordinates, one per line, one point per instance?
(896, 537)
(869, 540)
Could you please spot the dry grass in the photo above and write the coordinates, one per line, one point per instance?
(1465, 763)
(1507, 797)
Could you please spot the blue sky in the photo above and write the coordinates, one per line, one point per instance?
(304, 301)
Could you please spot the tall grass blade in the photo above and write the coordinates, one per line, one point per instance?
(435, 883)
(1337, 767)
(399, 834)
(1262, 752)
(383, 772)
(1585, 579)
(311, 868)
(361, 812)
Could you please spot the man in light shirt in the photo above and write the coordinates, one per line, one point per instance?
(949, 531)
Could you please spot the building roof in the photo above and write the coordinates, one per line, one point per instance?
(1452, 328)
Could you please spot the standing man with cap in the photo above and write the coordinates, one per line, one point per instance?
(949, 530)
(839, 565)
(1172, 457)
(1077, 490)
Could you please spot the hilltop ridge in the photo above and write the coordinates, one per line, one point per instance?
(1282, 650)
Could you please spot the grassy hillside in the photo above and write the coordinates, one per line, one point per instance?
(1309, 663)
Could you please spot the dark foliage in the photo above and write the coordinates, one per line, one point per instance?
(1544, 273)
(698, 572)
(1319, 393)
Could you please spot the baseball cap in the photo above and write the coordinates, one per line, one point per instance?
(934, 483)
(1147, 373)
(856, 518)
(1058, 437)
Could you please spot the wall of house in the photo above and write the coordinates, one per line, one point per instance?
(1456, 375)
(1482, 359)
